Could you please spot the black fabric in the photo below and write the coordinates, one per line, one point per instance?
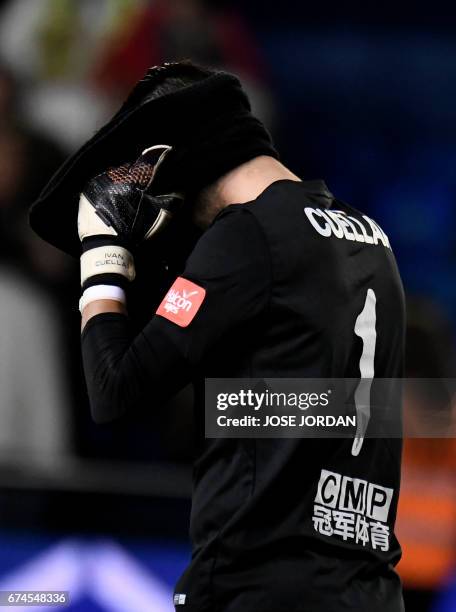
(208, 122)
(282, 301)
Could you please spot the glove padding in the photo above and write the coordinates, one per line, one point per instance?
(119, 202)
(117, 211)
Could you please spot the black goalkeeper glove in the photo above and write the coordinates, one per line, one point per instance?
(118, 210)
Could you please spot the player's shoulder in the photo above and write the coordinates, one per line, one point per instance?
(279, 211)
(309, 209)
(281, 204)
(234, 239)
(235, 223)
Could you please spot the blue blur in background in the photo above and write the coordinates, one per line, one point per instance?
(101, 574)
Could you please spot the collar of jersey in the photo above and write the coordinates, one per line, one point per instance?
(319, 190)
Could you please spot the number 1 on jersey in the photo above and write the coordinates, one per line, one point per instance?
(365, 329)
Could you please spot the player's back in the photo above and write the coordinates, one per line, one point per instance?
(332, 266)
(307, 524)
(337, 311)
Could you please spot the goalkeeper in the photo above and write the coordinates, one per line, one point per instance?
(286, 281)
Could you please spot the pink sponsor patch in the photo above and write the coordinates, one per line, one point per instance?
(182, 302)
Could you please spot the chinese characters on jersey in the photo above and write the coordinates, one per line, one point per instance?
(352, 509)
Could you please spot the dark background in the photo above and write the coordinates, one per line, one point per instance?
(359, 95)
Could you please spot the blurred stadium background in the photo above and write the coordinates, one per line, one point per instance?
(362, 99)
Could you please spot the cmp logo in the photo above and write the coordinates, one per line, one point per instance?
(182, 302)
(352, 509)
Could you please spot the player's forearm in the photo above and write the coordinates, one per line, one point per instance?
(114, 380)
(126, 374)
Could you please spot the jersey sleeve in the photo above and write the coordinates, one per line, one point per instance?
(226, 283)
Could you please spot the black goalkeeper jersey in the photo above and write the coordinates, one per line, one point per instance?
(298, 285)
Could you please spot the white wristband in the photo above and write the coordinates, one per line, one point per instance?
(101, 292)
(107, 260)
